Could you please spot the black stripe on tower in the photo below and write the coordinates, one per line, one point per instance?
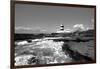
(62, 29)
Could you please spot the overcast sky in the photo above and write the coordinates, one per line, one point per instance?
(39, 18)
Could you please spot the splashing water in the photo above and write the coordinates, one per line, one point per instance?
(44, 52)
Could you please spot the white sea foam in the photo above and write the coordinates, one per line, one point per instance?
(40, 48)
(21, 43)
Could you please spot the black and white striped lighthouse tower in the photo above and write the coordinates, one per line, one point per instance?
(61, 27)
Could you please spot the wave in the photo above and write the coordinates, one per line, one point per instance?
(41, 51)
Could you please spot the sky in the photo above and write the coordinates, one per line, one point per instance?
(42, 18)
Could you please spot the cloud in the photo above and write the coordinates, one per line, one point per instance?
(79, 27)
(23, 28)
(29, 30)
(68, 30)
(43, 30)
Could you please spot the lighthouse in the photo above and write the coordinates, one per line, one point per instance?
(61, 27)
(62, 30)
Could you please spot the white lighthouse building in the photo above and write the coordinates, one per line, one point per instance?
(62, 30)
